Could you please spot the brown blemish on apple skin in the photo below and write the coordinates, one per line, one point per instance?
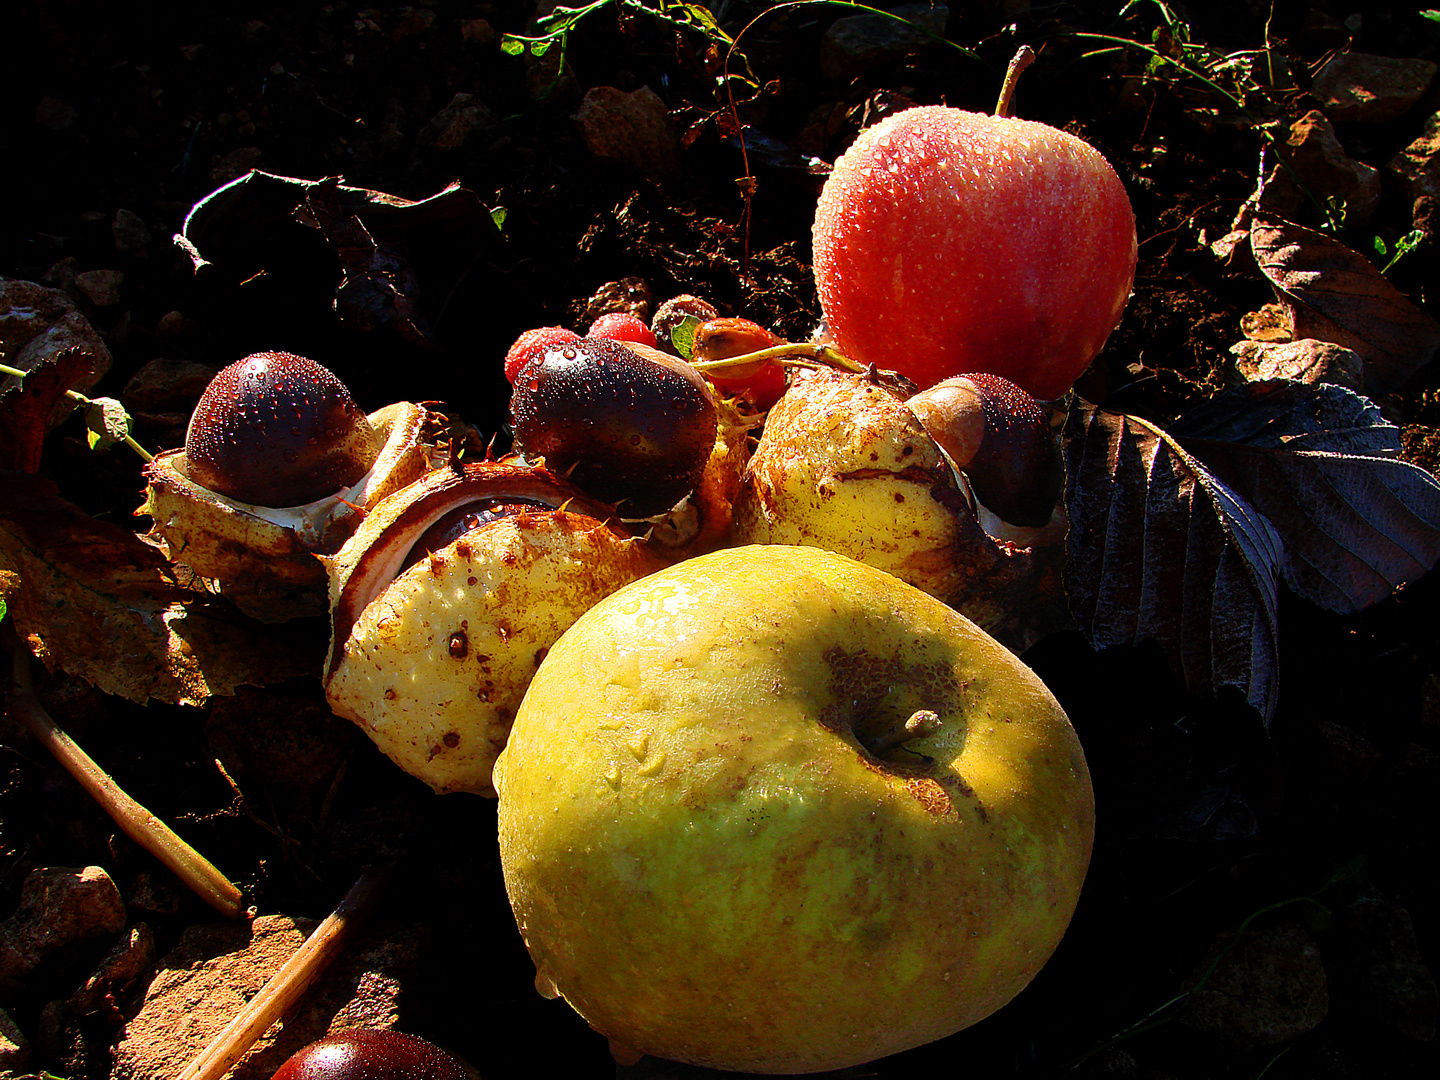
(931, 794)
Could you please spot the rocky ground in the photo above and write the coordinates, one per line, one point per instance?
(1261, 899)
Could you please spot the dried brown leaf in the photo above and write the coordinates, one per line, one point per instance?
(26, 409)
(93, 599)
(378, 287)
(1336, 294)
(1159, 549)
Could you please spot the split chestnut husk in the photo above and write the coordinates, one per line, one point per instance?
(436, 631)
(845, 464)
(263, 558)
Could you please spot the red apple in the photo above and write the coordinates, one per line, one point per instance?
(950, 241)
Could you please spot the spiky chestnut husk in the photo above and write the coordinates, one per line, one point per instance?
(844, 464)
(431, 651)
(263, 558)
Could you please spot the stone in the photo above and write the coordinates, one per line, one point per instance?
(1416, 169)
(549, 78)
(634, 129)
(454, 125)
(1317, 161)
(166, 383)
(217, 967)
(100, 287)
(859, 43)
(37, 323)
(1267, 987)
(1364, 87)
(1381, 971)
(14, 1047)
(60, 907)
(55, 114)
(130, 958)
(131, 233)
(477, 32)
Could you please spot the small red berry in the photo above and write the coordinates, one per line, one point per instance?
(531, 343)
(621, 326)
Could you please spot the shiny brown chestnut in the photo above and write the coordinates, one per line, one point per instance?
(999, 436)
(276, 429)
(372, 1054)
(628, 424)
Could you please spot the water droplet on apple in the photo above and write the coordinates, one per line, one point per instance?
(545, 985)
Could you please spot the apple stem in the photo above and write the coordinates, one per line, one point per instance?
(923, 722)
(1024, 57)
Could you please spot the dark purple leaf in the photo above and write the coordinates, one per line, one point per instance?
(1336, 295)
(282, 227)
(1159, 549)
(1323, 465)
(378, 287)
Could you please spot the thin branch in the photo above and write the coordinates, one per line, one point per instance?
(137, 822)
(292, 980)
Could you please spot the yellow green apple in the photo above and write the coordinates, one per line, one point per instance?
(774, 810)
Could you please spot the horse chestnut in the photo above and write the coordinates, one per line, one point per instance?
(276, 429)
(372, 1054)
(627, 424)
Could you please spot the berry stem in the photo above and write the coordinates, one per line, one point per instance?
(1024, 57)
(84, 403)
(795, 353)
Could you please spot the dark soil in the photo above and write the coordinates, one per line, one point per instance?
(1208, 823)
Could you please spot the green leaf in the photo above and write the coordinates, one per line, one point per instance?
(511, 45)
(2, 607)
(1431, 14)
(682, 338)
(498, 216)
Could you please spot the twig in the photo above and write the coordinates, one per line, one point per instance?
(291, 981)
(138, 823)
